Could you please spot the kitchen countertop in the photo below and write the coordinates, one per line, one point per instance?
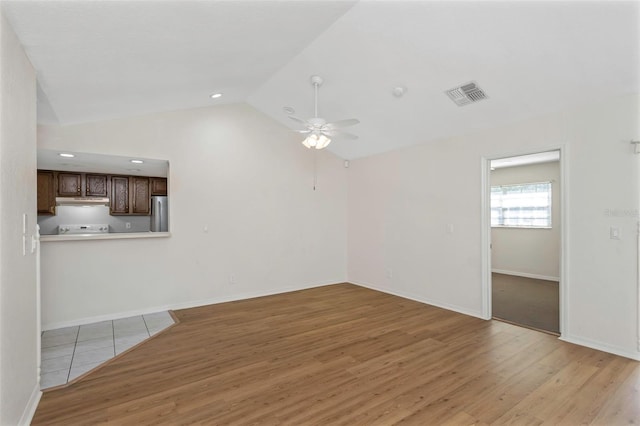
(111, 236)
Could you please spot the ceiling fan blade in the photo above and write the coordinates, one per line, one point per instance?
(339, 134)
(342, 123)
(299, 120)
(303, 131)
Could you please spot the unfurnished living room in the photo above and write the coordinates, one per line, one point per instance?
(319, 212)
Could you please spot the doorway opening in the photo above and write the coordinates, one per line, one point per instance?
(523, 224)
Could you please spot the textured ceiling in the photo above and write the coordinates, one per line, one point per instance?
(101, 60)
(110, 59)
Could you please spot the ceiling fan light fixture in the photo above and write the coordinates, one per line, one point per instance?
(315, 141)
(318, 129)
(323, 142)
(310, 141)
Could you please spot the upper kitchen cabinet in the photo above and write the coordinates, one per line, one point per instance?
(69, 184)
(80, 184)
(140, 196)
(95, 185)
(46, 193)
(158, 186)
(130, 195)
(119, 195)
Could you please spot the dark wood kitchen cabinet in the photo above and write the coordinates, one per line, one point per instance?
(158, 186)
(119, 203)
(140, 196)
(69, 184)
(130, 195)
(95, 185)
(46, 193)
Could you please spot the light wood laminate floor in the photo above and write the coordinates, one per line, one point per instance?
(346, 355)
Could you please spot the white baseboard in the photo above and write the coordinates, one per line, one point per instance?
(247, 295)
(106, 317)
(422, 299)
(180, 305)
(569, 339)
(526, 275)
(30, 409)
(601, 347)
(35, 396)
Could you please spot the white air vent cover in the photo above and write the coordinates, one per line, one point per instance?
(466, 94)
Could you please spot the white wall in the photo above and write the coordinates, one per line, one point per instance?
(401, 203)
(18, 328)
(232, 170)
(529, 252)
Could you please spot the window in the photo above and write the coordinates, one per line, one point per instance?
(526, 205)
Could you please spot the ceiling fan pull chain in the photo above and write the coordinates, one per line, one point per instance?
(315, 169)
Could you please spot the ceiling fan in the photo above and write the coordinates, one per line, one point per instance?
(318, 131)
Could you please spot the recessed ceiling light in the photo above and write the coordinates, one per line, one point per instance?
(67, 155)
(216, 95)
(137, 161)
(399, 91)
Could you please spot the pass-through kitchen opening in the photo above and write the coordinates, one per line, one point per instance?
(91, 194)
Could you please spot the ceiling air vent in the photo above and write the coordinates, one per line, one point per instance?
(466, 94)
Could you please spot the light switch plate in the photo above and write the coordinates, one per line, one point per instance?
(614, 233)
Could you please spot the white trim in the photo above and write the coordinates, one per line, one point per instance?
(569, 339)
(422, 299)
(111, 236)
(30, 408)
(38, 308)
(564, 240)
(485, 236)
(180, 305)
(601, 347)
(564, 227)
(637, 265)
(526, 275)
(250, 295)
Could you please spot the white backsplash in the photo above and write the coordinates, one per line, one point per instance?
(71, 215)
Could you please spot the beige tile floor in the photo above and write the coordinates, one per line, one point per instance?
(72, 351)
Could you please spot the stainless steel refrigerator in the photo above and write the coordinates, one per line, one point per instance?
(159, 214)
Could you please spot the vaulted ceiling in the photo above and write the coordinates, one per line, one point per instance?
(108, 59)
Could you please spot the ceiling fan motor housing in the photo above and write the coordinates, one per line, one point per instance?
(317, 122)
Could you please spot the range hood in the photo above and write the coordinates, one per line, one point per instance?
(82, 201)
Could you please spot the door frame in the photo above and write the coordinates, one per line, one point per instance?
(564, 230)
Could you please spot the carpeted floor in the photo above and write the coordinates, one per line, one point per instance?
(526, 301)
